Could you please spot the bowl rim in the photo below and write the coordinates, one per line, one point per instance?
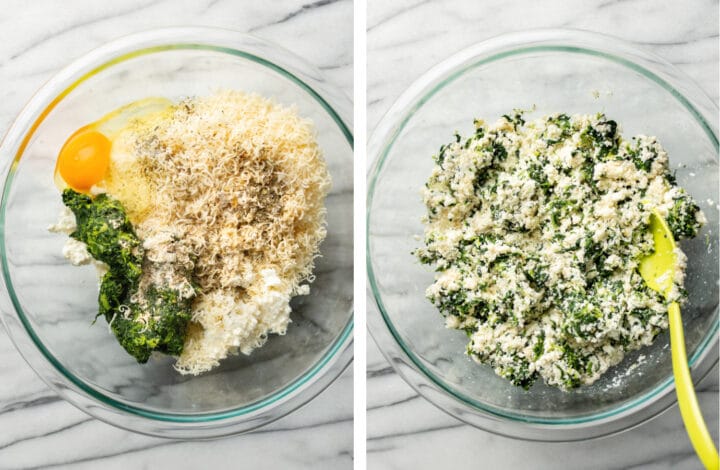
(390, 342)
(308, 384)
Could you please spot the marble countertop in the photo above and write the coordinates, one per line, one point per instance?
(408, 37)
(37, 428)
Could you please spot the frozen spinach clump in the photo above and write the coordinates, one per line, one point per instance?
(160, 322)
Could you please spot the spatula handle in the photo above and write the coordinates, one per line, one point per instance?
(689, 408)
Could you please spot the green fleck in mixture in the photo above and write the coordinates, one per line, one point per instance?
(536, 231)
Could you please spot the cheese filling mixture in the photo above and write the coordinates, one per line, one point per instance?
(536, 231)
(206, 220)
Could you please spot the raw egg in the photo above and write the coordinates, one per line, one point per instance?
(84, 159)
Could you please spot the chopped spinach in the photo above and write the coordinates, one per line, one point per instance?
(104, 227)
(682, 218)
(160, 323)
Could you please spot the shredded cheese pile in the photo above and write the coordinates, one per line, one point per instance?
(229, 188)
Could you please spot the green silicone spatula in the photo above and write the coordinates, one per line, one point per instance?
(658, 271)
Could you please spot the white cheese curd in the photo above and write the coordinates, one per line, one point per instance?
(230, 325)
(537, 229)
(66, 222)
(76, 252)
(73, 250)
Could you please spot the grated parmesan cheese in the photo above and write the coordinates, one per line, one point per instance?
(238, 184)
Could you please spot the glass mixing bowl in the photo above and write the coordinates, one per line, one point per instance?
(48, 305)
(555, 71)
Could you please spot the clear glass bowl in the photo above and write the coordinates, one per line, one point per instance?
(48, 305)
(555, 71)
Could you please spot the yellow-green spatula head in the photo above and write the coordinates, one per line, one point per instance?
(658, 271)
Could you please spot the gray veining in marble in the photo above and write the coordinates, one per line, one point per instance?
(37, 428)
(405, 39)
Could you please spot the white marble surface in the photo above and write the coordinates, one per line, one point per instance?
(37, 428)
(405, 39)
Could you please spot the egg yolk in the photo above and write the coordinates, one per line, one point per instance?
(84, 159)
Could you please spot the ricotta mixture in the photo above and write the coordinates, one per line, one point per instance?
(536, 231)
(226, 195)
